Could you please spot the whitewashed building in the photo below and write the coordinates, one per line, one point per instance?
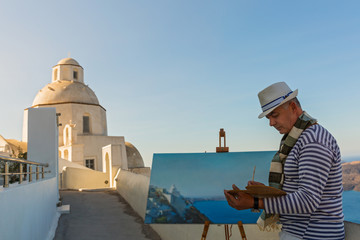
(83, 134)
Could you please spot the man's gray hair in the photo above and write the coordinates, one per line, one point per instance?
(295, 100)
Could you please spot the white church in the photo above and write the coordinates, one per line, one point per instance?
(86, 153)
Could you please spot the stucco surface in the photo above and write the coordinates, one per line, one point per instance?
(65, 91)
(74, 112)
(65, 163)
(92, 149)
(77, 178)
(29, 210)
(134, 188)
(133, 156)
(70, 61)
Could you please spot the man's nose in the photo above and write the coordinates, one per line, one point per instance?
(271, 122)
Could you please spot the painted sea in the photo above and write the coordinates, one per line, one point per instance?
(219, 212)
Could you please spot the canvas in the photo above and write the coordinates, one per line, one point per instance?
(189, 187)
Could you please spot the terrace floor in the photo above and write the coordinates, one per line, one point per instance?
(101, 214)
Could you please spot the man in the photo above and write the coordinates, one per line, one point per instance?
(307, 167)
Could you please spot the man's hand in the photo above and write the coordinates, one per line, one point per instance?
(240, 201)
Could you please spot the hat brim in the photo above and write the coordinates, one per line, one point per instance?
(291, 96)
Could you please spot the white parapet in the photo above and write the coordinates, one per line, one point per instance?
(29, 210)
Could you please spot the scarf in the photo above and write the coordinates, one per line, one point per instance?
(267, 221)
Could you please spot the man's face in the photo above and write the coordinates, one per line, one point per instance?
(283, 118)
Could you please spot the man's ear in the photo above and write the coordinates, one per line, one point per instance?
(293, 106)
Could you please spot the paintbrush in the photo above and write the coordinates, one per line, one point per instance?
(254, 173)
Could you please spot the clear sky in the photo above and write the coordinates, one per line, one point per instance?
(172, 73)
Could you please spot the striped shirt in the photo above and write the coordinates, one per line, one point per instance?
(312, 208)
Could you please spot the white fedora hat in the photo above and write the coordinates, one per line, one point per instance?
(274, 96)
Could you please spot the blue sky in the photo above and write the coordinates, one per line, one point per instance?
(172, 73)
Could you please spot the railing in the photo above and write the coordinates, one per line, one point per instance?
(28, 169)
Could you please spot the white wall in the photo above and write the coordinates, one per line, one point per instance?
(65, 72)
(134, 188)
(75, 112)
(63, 163)
(42, 138)
(28, 211)
(25, 126)
(77, 178)
(93, 147)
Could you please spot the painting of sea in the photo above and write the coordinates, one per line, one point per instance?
(188, 187)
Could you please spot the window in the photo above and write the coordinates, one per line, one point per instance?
(86, 124)
(75, 75)
(90, 163)
(67, 137)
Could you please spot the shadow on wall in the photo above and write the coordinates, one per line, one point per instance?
(77, 178)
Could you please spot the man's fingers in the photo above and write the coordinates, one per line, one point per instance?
(235, 187)
(240, 201)
(230, 198)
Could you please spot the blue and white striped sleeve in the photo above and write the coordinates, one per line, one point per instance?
(314, 164)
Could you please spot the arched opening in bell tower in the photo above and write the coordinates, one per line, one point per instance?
(55, 77)
(75, 75)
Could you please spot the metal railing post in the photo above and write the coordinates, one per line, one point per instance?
(30, 173)
(6, 177)
(21, 173)
(37, 173)
(25, 170)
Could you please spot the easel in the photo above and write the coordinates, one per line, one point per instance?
(226, 226)
(227, 231)
(220, 148)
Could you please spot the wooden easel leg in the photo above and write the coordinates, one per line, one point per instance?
(205, 231)
(227, 237)
(227, 232)
(242, 231)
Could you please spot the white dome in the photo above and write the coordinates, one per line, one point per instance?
(65, 92)
(68, 61)
(133, 156)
